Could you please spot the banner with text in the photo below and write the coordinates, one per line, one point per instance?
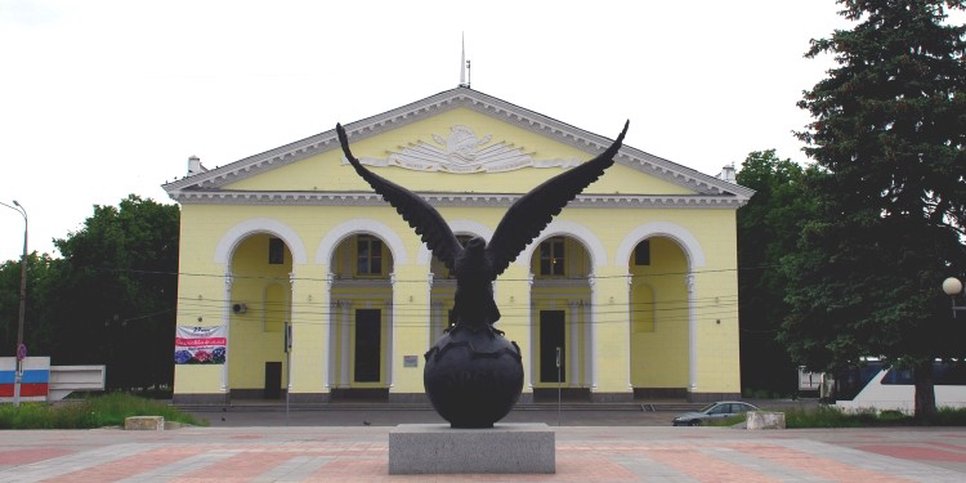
(201, 345)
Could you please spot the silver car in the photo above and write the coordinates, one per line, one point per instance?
(716, 410)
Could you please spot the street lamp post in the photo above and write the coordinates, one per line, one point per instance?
(21, 349)
(952, 286)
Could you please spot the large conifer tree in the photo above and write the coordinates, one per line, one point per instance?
(888, 131)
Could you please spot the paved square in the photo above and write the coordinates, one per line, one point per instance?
(583, 454)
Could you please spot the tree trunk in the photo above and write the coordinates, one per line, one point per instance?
(925, 392)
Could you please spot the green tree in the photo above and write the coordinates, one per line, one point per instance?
(888, 130)
(118, 291)
(42, 278)
(768, 229)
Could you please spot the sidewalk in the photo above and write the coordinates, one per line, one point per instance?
(583, 454)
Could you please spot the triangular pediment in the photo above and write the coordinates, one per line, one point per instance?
(459, 145)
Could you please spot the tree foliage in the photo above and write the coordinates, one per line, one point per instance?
(768, 229)
(888, 132)
(42, 282)
(110, 300)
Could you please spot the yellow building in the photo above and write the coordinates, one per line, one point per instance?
(322, 290)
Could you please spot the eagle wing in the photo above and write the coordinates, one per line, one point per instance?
(532, 213)
(420, 215)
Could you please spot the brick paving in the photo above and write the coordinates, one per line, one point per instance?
(583, 454)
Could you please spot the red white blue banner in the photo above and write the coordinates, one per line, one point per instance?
(201, 345)
(35, 382)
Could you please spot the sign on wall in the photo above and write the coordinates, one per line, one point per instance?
(201, 345)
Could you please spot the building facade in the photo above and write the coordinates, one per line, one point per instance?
(320, 290)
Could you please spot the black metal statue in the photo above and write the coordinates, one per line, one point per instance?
(473, 375)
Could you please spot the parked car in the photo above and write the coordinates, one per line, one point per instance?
(716, 410)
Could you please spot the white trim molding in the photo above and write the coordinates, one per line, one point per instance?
(236, 234)
(593, 245)
(689, 244)
(331, 240)
(339, 198)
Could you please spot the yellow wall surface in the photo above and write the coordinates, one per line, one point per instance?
(626, 350)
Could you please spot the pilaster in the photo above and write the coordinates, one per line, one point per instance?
(611, 329)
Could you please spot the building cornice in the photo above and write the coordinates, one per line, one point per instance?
(332, 198)
(454, 98)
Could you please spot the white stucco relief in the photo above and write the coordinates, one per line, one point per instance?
(463, 152)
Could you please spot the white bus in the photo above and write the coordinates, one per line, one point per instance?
(880, 387)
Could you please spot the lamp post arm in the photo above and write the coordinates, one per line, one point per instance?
(23, 300)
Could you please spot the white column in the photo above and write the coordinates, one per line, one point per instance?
(344, 350)
(630, 330)
(291, 328)
(534, 326)
(434, 310)
(573, 359)
(226, 321)
(331, 318)
(588, 352)
(592, 343)
(692, 337)
(391, 343)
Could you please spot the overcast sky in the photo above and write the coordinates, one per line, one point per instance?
(100, 99)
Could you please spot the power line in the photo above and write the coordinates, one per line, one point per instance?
(289, 278)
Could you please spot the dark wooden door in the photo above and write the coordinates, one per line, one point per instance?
(368, 349)
(273, 380)
(552, 337)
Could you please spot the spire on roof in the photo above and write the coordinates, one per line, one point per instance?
(464, 64)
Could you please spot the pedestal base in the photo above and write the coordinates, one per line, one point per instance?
(439, 449)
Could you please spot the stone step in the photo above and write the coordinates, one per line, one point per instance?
(271, 406)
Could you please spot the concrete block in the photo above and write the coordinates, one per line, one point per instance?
(439, 449)
(765, 420)
(144, 423)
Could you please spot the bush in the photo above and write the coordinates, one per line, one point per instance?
(107, 410)
(832, 417)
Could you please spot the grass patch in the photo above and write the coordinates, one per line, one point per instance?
(95, 412)
(832, 417)
(733, 420)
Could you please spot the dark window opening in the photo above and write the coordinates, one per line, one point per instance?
(552, 257)
(276, 251)
(369, 255)
(642, 253)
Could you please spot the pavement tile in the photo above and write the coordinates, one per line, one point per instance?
(124, 467)
(583, 454)
(914, 452)
(30, 455)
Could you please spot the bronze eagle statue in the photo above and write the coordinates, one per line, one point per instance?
(477, 264)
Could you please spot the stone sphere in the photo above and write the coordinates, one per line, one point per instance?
(473, 377)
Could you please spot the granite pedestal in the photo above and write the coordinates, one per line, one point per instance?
(439, 449)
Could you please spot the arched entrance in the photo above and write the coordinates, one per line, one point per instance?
(260, 308)
(360, 330)
(659, 319)
(560, 301)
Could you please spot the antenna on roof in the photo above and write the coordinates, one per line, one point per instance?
(464, 64)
